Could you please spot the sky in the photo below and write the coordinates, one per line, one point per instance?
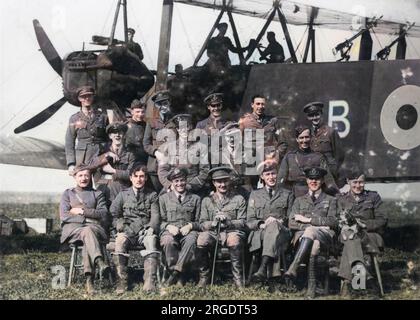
(28, 84)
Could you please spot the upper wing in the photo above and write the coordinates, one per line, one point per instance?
(300, 14)
(25, 151)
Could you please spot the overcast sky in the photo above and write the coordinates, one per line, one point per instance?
(28, 84)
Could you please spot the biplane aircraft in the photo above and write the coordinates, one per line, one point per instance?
(374, 102)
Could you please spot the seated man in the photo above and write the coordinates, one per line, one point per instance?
(267, 214)
(135, 213)
(179, 210)
(229, 210)
(314, 218)
(83, 212)
(362, 220)
(274, 52)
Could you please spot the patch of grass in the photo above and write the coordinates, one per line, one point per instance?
(29, 276)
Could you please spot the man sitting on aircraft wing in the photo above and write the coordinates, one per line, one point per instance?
(132, 45)
(274, 52)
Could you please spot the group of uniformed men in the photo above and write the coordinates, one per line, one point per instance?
(146, 197)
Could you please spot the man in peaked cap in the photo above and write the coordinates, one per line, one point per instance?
(113, 163)
(83, 213)
(313, 218)
(179, 212)
(133, 46)
(267, 213)
(214, 103)
(135, 133)
(85, 133)
(184, 152)
(162, 101)
(362, 222)
(324, 139)
(291, 175)
(228, 209)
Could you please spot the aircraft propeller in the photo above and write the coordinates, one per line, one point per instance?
(56, 63)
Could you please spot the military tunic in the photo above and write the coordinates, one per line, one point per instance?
(274, 137)
(178, 249)
(323, 213)
(112, 184)
(260, 207)
(209, 124)
(325, 140)
(150, 145)
(132, 214)
(90, 135)
(291, 175)
(368, 210)
(134, 140)
(194, 160)
(90, 228)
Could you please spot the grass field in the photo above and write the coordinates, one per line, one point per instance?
(26, 262)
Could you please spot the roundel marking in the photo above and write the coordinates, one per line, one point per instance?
(399, 120)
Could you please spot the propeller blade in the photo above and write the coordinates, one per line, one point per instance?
(47, 48)
(41, 117)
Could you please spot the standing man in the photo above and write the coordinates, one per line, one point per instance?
(324, 139)
(86, 131)
(179, 212)
(135, 213)
(291, 173)
(83, 213)
(274, 138)
(362, 221)
(214, 103)
(184, 153)
(218, 49)
(229, 210)
(133, 46)
(267, 213)
(135, 132)
(114, 163)
(258, 119)
(313, 218)
(274, 52)
(151, 144)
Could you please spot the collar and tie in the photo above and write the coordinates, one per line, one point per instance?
(179, 198)
(270, 192)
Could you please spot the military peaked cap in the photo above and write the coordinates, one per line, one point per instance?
(313, 107)
(161, 96)
(220, 173)
(214, 98)
(85, 90)
(315, 173)
(177, 173)
(116, 127)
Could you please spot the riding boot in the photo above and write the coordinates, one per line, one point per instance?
(121, 263)
(302, 253)
(150, 273)
(236, 261)
(310, 294)
(202, 257)
(89, 285)
(261, 274)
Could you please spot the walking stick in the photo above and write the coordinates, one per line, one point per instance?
(215, 251)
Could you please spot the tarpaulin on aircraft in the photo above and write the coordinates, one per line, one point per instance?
(299, 14)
